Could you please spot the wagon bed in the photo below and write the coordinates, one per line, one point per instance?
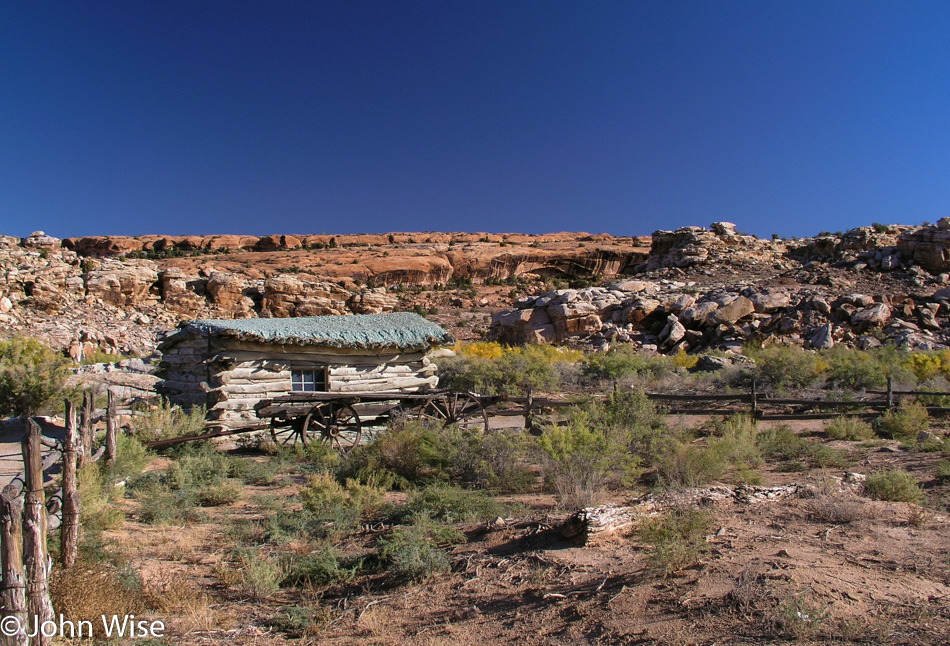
(345, 420)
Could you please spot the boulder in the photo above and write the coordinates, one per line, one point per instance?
(770, 302)
(822, 338)
(876, 315)
(698, 313)
(729, 314)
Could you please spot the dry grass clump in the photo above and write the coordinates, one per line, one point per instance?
(835, 510)
(87, 591)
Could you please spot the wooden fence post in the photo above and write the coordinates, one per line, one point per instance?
(755, 401)
(69, 533)
(85, 447)
(13, 592)
(890, 393)
(38, 603)
(111, 424)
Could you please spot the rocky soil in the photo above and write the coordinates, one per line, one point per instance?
(690, 289)
(716, 289)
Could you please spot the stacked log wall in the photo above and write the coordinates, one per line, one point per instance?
(231, 377)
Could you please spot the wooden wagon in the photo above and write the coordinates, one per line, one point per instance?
(345, 421)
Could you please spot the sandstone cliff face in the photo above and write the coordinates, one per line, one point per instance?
(688, 289)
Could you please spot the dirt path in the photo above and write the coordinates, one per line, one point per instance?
(12, 433)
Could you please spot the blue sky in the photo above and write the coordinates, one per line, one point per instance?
(348, 116)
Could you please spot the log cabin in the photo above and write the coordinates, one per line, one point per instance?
(230, 365)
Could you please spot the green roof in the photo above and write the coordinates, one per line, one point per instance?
(403, 330)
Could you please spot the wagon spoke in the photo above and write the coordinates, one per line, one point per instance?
(342, 430)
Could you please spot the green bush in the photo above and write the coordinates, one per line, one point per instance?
(853, 429)
(856, 369)
(401, 458)
(623, 361)
(222, 493)
(894, 485)
(32, 377)
(905, 422)
(200, 475)
(450, 504)
(408, 553)
(130, 457)
(166, 421)
(681, 463)
(320, 567)
(677, 539)
(943, 470)
(101, 499)
(781, 443)
(258, 574)
(781, 367)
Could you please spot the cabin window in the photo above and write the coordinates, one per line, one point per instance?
(309, 381)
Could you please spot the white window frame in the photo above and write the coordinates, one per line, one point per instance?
(308, 380)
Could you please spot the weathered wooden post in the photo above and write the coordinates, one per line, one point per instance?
(85, 450)
(755, 402)
(69, 533)
(111, 424)
(13, 592)
(38, 603)
(890, 393)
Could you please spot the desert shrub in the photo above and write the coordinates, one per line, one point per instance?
(781, 367)
(681, 463)
(521, 371)
(221, 493)
(409, 553)
(130, 458)
(834, 509)
(856, 369)
(253, 573)
(336, 507)
(253, 472)
(781, 443)
(623, 361)
(32, 376)
(92, 589)
(601, 444)
(909, 419)
(683, 360)
(401, 458)
(199, 476)
(166, 421)
(494, 460)
(924, 365)
(824, 457)
(736, 442)
(799, 617)
(580, 457)
(449, 504)
(894, 485)
(943, 470)
(101, 499)
(677, 539)
(844, 427)
(319, 567)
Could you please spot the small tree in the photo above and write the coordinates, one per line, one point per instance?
(31, 376)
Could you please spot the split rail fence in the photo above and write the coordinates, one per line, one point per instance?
(764, 407)
(27, 514)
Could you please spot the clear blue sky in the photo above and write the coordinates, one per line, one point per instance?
(199, 117)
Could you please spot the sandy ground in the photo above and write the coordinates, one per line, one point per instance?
(12, 432)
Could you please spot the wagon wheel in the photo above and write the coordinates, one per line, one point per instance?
(464, 409)
(284, 432)
(337, 425)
